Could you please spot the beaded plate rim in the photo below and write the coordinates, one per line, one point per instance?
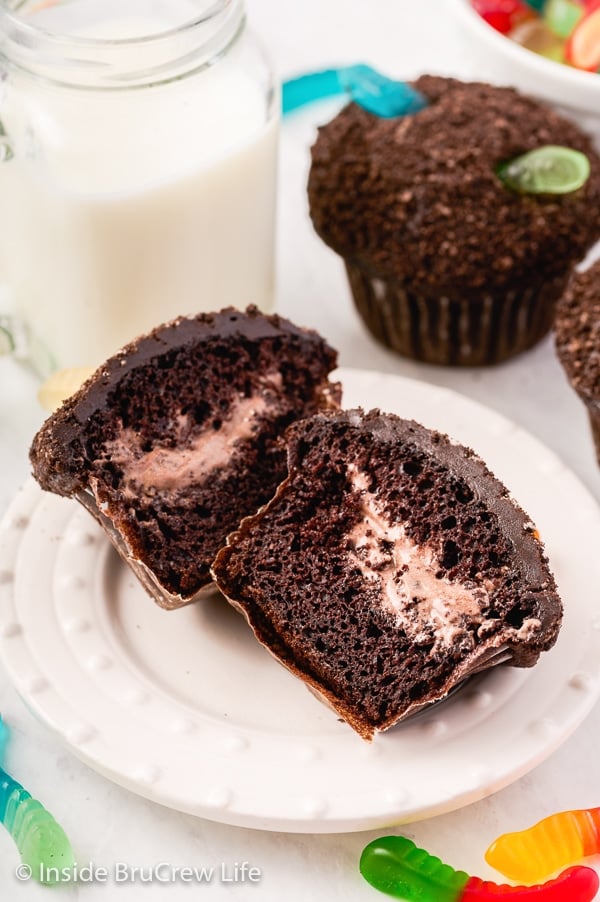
(79, 640)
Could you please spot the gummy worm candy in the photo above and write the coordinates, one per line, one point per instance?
(38, 837)
(394, 865)
(583, 47)
(367, 87)
(550, 169)
(551, 844)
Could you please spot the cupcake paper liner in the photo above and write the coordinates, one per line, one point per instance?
(454, 331)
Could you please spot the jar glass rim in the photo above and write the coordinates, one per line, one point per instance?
(105, 61)
(214, 8)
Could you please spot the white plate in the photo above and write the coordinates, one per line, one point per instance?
(187, 709)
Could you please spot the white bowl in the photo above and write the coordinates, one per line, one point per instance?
(503, 61)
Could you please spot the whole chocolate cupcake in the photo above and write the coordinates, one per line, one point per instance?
(447, 264)
(577, 328)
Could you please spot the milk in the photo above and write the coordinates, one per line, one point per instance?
(101, 238)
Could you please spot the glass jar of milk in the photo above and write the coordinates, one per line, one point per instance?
(138, 144)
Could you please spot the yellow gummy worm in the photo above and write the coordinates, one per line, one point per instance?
(532, 855)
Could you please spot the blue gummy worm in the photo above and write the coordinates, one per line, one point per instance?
(300, 91)
(367, 87)
(3, 737)
(11, 796)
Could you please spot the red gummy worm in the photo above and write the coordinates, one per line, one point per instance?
(578, 884)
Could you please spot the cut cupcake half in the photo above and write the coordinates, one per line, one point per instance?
(179, 436)
(390, 566)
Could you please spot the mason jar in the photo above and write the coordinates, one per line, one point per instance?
(138, 143)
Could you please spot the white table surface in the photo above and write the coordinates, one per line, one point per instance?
(108, 824)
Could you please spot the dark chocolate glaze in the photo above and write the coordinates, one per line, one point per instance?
(182, 332)
(63, 429)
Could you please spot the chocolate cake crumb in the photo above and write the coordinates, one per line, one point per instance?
(577, 330)
(446, 264)
(390, 566)
(417, 198)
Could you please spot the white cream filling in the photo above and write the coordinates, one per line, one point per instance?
(427, 607)
(165, 468)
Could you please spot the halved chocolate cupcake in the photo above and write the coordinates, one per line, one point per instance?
(390, 565)
(179, 436)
